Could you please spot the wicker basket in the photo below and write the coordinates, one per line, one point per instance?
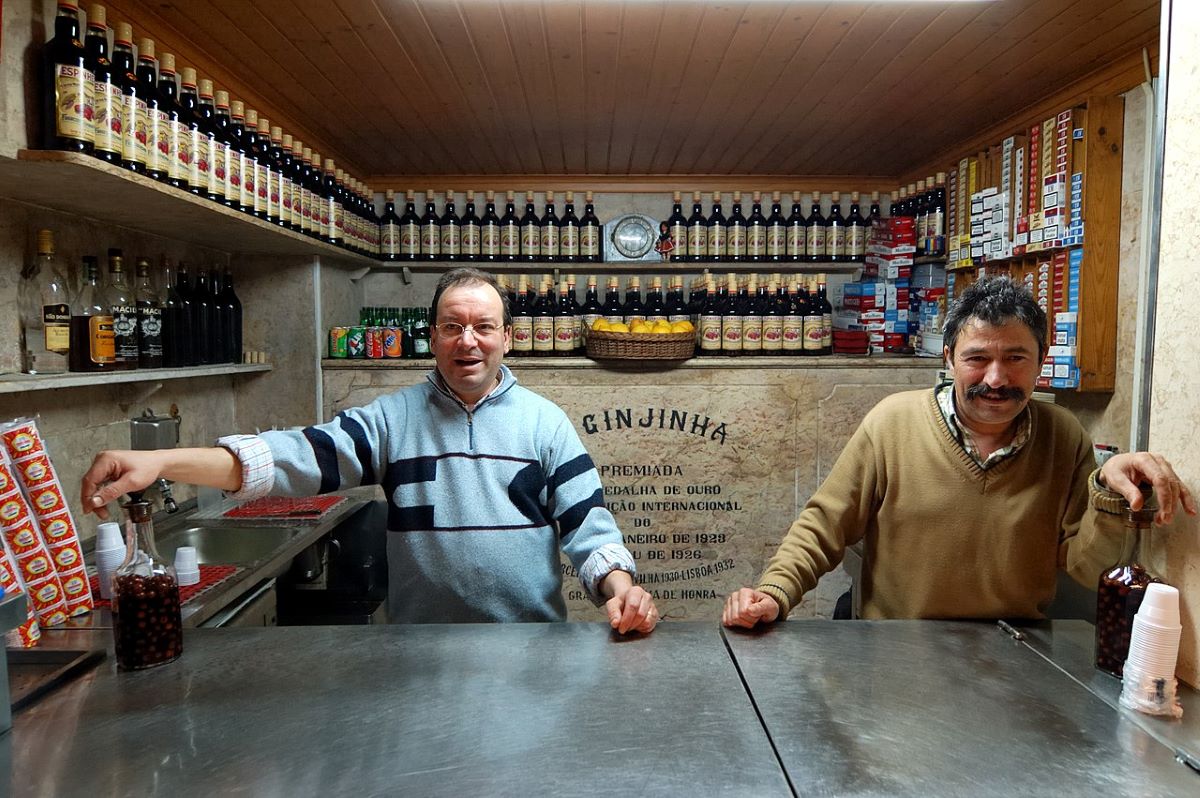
(603, 345)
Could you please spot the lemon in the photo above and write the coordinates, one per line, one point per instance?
(639, 326)
(620, 326)
(683, 326)
(661, 327)
(601, 325)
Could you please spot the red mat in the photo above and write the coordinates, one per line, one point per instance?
(209, 575)
(281, 507)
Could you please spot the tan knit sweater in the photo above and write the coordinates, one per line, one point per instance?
(943, 537)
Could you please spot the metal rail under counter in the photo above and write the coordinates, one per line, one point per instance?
(801, 708)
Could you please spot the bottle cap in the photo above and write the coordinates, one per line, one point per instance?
(45, 242)
(123, 34)
(587, 196)
(264, 126)
(389, 196)
(206, 88)
(676, 196)
(757, 195)
(816, 195)
(491, 195)
(450, 196)
(287, 142)
(96, 15)
(737, 196)
(222, 98)
(549, 197)
(166, 64)
(237, 109)
(276, 133)
(187, 76)
(854, 196)
(251, 119)
(145, 48)
(874, 196)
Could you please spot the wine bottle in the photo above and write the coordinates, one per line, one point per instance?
(856, 232)
(835, 231)
(589, 233)
(697, 231)
(568, 231)
(68, 86)
(390, 229)
(531, 232)
(677, 229)
(735, 232)
(431, 230)
(716, 231)
(756, 231)
(776, 231)
(133, 102)
(549, 234)
(179, 155)
(451, 231)
(796, 232)
(471, 241)
(814, 228)
(489, 230)
(510, 231)
(107, 99)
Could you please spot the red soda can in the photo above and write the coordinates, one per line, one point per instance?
(374, 341)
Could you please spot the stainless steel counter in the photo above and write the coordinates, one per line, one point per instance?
(898, 708)
(843, 708)
(530, 709)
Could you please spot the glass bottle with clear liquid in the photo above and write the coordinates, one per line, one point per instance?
(45, 311)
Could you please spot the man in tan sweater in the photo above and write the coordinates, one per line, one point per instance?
(968, 496)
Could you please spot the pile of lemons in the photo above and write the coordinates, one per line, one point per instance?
(639, 326)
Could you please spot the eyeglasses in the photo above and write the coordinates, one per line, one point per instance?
(452, 329)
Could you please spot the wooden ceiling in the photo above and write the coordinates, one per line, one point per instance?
(605, 87)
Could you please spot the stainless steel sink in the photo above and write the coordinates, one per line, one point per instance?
(226, 545)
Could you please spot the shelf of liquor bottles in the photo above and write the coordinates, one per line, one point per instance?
(20, 383)
(88, 187)
(555, 363)
(621, 267)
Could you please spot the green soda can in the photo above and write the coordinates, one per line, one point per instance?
(356, 342)
(337, 341)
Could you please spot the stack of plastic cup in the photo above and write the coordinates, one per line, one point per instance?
(187, 569)
(110, 553)
(1148, 684)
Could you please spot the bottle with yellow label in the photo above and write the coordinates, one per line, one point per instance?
(92, 342)
(68, 87)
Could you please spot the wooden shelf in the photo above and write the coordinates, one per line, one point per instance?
(621, 267)
(21, 383)
(758, 362)
(84, 186)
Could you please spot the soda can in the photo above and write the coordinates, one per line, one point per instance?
(337, 341)
(374, 343)
(356, 342)
(391, 342)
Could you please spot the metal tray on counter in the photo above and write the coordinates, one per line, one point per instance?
(33, 672)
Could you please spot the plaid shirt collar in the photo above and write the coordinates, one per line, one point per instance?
(945, 400)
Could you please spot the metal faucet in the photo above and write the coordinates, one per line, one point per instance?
(149, 432)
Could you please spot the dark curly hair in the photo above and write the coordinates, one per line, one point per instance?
(995, 301)
(466, 276)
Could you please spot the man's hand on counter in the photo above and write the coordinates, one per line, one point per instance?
(748, 606)
(1124, 472)
(629, 607)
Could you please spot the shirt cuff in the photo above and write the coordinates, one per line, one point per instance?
(603, 561)
(781, 596)
(258, 466)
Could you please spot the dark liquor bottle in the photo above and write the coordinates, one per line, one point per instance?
(471, 239)
(774, 310)
(68, 86)
(776, 231)
(233, 319)
(826, 317)
(149, 319)
(188, 348)
(322, 201)
(133, 102)
(574, 306)
(334, 231)
(591, 309)
(796, 231)
(178, 134)
(920, 213)
(191, 113)
(451, 230)
(410, 230)
(92, 347)
(793, 321)
(677, 229)
(214, 188)
(910, 204)
(281, 187)
(390, 228)
(936, 221)
(489, 231)
(717, 237)
(677, 309)
(257, 168)
(522, 316)
(894, 207)
(293, 200)
(421, 336)
(510, 231)
(633, 309)
(564, 323)
(697, 231)
(531, 232)
(301, 174)
(241, 162)
(431, 230)
(107, 101)
(709, 320)
(814, 321)
(814, 229)
(753, 309)
(218, 319)
(589, 232)
(835, 231)
(549, 234)
(614, 313)
(231, 183)
(119, 300)
(201, 317)
(756, 231)
(856, 232)
(177, 322)
(568, 232)
(731, 317)
(874, 215)
(543, 320)
(158, 156)
(735, 233)
(656, 306)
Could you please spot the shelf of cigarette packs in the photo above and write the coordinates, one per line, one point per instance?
(1020, 208)
(898, 295)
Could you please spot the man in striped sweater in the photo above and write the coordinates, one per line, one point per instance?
(485, 480)
(968, 497)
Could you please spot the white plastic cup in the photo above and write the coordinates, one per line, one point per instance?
(1154, 643)
(187, 569)
(1160, 605)
(110, 552)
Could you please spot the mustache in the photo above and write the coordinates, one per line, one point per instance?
(1006, 392)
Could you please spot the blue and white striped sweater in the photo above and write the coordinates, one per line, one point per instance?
(479, 502)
